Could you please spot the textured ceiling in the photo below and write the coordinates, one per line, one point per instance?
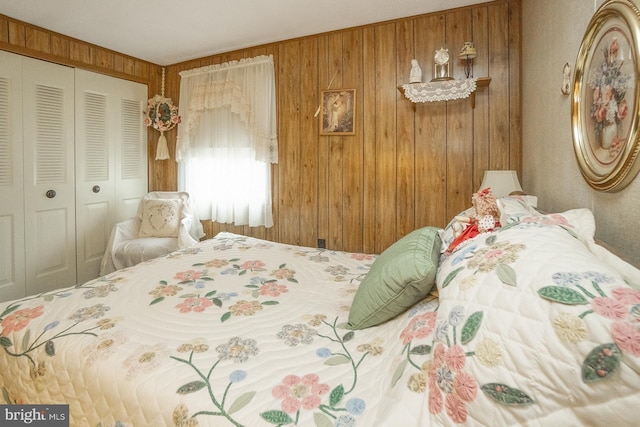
(167, 32)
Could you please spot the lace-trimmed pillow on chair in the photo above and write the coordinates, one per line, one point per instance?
(160, 217)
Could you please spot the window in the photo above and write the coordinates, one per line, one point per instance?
(227, 140)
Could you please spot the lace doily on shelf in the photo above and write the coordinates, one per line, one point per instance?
(439, 91)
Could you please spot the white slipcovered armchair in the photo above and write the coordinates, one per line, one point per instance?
(166, 221)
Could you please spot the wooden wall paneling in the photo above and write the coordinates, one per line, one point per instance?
(4, 29)
(309, 142)
(481, 112)
(368, 108)
(289, 142)
(405, 222)
(17, 34)
(498, 26)
(430, 131)
(352, 60)
(459, 123)
(37, 39)
(386, 150)
(336, 144)
(325, 74)
(515, 103)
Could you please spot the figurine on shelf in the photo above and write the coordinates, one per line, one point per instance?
(416, 72)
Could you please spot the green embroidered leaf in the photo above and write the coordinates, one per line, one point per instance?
(198, 264)
(210, 294)
(255, 293)
(241, 402)
(25, 340)
(9, 310)
(277, 417)
(242, 273)
(50, 348)
(207, 278)
(421, 349)
(471, 327)
(270, 303)
(491, 240)
(282, 266)
(336, 395)
(191, 387)
(234, 260)
(506, 274)
(337, 360)
(601, 362)
(217, 302)
(343, 325)
(5, 342)
(506, 395)
(451, 276)
(398, 373)
(252, 286)
(225, 316)
(163, 282)
(5, 394)
(157, 300)
(562, 295)
(291, 279)
(348, 336)
(188, 296)
(322, 420)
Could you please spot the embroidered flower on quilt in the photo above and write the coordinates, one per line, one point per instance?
(102, 348)
(300, 392)
(19, 319)
(488, 258)
(273, 289)
(609, 308)
(194, 304)
(296, 334)
(627, 337)
(216, 263)
(570, 328)
(363, 257)
(417, 382)
(181, 417)
(237, 349)
(245, 308)
(283, 273)
(100, 291)
(197, 345)
(145, 359)
(40, 375)
(450, 387)
(253, 265)
(86, 313)
(188, 276)
(316, 319)
(374, 348)
(488, 352)
(420, 327)
(165, 291)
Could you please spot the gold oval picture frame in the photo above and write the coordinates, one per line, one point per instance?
(605, 97)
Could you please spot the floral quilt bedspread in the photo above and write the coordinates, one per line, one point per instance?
(234, 331)
(533, 329)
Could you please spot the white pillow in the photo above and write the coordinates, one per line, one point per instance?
(160, 217)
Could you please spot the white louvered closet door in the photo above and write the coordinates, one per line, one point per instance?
(12, 271)
(111, 162)
(49, 179)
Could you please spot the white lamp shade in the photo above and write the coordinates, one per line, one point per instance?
(502, 183)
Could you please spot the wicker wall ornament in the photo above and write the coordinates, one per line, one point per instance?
(163, 116)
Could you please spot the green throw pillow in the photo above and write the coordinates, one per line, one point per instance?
(399, 278)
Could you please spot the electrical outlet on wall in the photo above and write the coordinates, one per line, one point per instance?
(322, 243)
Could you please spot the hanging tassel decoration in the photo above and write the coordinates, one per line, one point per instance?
(162, 151)
(163, 116)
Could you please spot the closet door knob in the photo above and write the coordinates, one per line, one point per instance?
(96, 188)
(51, 194)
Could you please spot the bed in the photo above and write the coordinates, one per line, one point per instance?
(531, 324)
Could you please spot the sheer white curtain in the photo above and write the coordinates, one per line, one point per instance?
(227, 140)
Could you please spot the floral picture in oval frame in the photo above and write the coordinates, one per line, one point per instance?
(605, 95)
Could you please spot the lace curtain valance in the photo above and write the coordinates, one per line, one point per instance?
(246, 87)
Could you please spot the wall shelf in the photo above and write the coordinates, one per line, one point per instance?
(443, 90)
